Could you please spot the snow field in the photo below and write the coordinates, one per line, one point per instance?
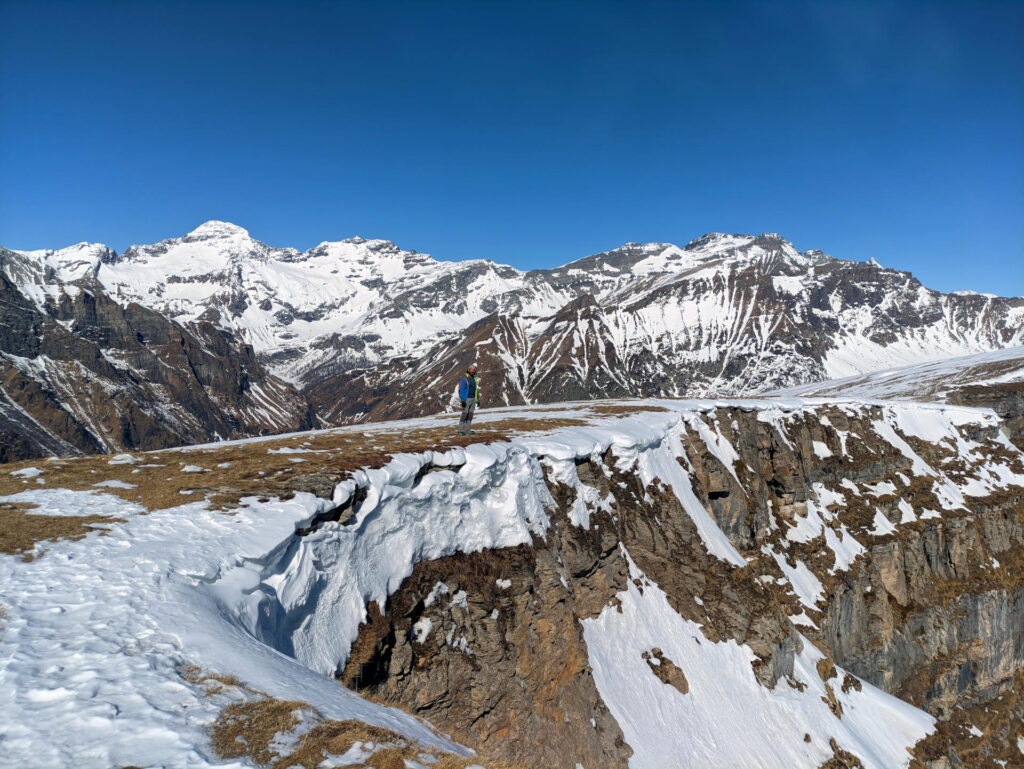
(98, 631)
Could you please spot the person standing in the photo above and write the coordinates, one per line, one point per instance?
(469, 395)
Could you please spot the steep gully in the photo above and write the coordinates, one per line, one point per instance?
(467, 586)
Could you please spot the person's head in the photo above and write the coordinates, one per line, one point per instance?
(472, 368)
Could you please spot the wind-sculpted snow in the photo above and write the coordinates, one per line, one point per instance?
(275, 593)
(310, 602)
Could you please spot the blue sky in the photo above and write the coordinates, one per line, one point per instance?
(532, 133)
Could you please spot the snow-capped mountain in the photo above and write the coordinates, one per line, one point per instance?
(366, 330)
(363, 300)
(725, 315)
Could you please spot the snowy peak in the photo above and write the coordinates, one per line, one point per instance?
(80, 261)
(717, 241)
(217, 230)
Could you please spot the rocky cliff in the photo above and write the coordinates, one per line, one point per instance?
(886, 537)
(681, 574)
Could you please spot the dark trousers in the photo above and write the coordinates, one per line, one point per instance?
(467, 415)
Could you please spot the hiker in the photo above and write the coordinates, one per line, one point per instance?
(469, 395)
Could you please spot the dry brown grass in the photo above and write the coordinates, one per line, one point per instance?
(515, 427)
(826, 668)
(246, 729)
(233, 471)
(621, 409)
(20, 529)
(337, 738)
(388, 758)
(451, 761)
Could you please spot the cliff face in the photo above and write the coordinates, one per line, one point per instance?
(931, 609)
(888, 537)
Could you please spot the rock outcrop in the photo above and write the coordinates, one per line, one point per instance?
(859, 539)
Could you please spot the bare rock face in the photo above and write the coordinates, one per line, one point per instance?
(666, 670)
(488, 646)
(1007, 400)
(932, 612)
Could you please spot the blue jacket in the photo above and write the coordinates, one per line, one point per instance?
(464, 388)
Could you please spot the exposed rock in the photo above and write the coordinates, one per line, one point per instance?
(666, 670)
(90, 374)
(841, 759)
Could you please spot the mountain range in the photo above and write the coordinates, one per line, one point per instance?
(217, 335)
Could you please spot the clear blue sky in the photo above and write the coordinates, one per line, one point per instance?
(529, 133)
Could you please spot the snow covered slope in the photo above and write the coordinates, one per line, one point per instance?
(935, 380)
(992, 380)
(365, 299)
(415, 567)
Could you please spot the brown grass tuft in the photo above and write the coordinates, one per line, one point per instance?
(20, 529)
(338, 737)
(451, 761)
(246, 729)
(826, 668)
(841, 759)
(388, 758)
(621, 409)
